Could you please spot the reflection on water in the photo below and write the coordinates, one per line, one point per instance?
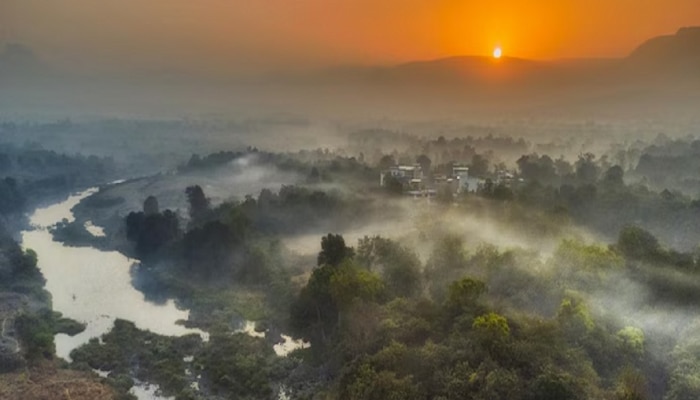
(143, 390)
(94, 230)
(249, 329)
(94, 286)
(288, 345)
(282, 349)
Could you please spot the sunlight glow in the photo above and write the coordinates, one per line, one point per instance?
(497, 52)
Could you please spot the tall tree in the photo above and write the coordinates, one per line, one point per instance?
(425, 163)
(150, 206)
(199, 204)
(334, 250)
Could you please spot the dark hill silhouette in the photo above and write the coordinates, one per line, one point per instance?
(661, 74)
(679, 53)
(676, 56)
(467, 69)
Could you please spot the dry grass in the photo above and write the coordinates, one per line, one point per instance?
(46, 382)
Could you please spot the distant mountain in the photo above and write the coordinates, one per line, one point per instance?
(679, 53)
(661, 75)
(662, 56)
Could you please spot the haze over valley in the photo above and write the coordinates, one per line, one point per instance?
(349, 200)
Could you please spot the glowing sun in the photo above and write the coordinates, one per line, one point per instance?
(497, 52)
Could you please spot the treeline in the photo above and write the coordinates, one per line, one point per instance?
(18, 270)
(489, 324)
(480, 323)
(484, 323)
(12, 200)
(374, 143)
(31, 173)
(215, 246)
(234, 243)
(670, 163)
(314, 166)
(595, 195)
(291, 210)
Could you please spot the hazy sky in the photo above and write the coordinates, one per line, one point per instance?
(246, 35)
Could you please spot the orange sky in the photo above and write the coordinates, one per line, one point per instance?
(246, 35)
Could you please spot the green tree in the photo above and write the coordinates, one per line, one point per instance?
(492, 330)
(447, 262)
(386, 161)
(479, 166)
(575, 319)
(463, 295)
(556, 386)
(425, 163)
(199, 204)
(636, 243)
(331, 291)
(399, 267)
(631, 385)
(586, 169)
(614, 177)
(314, 314)
(366, 383)
(350, 282)
(35, 332)
(209, 249)
(632, 340)
(333, 250)
(150, 206)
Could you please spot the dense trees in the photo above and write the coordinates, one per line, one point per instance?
(637, 243)
(209, 249)
(420, 347)
(126, 351)
(537, 168)
(29, 174)
(382, 322)
(11, 199)
(398, 266)
(427, 316)
(238, 365)
(35, 332)
(17, 267)
(151, 230)
(335, 287)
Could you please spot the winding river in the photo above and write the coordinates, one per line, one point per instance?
(94, 286)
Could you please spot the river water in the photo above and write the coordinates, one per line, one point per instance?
(94, 286)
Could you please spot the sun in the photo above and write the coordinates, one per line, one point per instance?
(497, 52)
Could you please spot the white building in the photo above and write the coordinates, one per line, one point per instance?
(404, 173)
(464, 183)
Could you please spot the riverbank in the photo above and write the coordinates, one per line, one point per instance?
(93, 286)
(221, 307)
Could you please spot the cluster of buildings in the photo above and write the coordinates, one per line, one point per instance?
(416, 183)
(419, 184)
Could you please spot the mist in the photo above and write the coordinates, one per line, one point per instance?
(349, 200)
